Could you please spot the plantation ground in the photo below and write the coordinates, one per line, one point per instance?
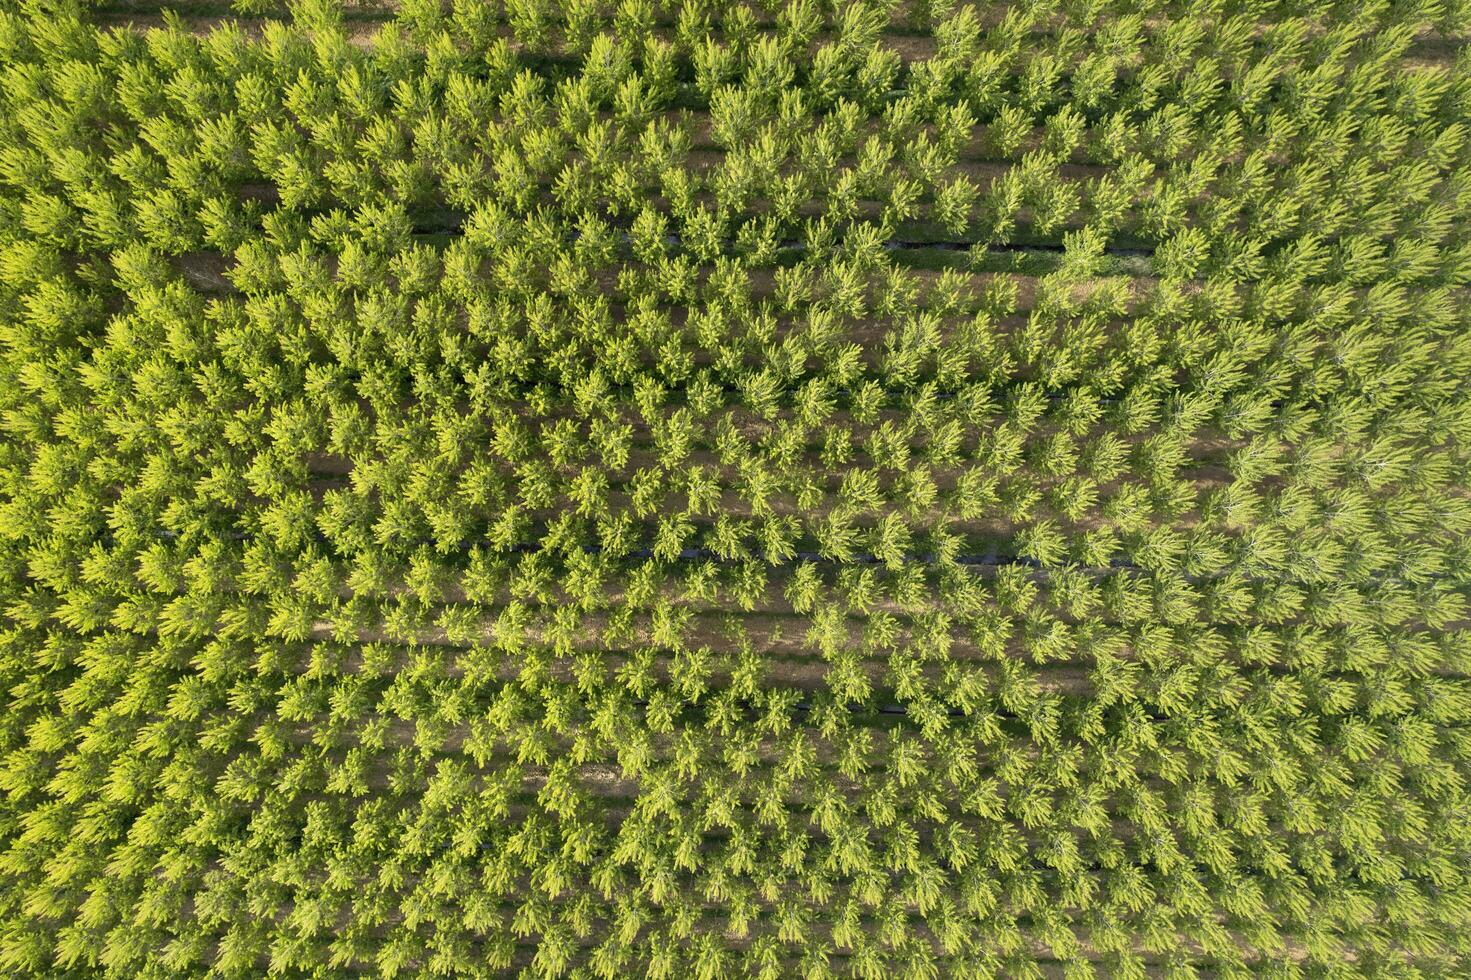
(735, 489)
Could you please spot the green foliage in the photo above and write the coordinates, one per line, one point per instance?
(789, 489)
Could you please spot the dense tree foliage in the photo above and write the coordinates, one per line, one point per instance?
(773, 488)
